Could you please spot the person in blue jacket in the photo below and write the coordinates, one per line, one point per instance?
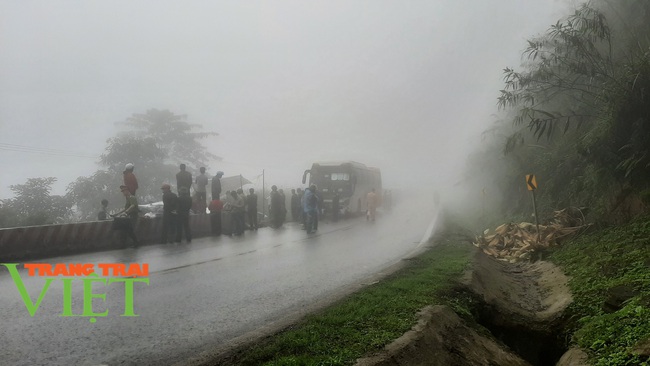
(311, 208)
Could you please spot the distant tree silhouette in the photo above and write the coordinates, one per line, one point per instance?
(155, 142)
(33, 204)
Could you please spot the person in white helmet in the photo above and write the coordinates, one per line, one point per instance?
(130, 181)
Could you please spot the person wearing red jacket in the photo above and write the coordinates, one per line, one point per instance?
(130, 181)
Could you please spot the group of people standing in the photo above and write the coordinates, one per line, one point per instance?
(305, 207)
(176, 206)
(236, 207)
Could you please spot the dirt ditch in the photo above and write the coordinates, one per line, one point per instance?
(521, 304)
(524, 305)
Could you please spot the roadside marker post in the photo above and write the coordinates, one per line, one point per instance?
(531, 183)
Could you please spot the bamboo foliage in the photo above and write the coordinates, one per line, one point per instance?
(571, 62)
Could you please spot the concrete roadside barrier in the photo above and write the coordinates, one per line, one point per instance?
(33, 242)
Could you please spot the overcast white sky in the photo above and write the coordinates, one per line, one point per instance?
(401, 85)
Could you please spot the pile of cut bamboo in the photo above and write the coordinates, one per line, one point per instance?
(515, 242)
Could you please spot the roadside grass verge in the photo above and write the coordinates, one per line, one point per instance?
(373, 317)
(613, 257)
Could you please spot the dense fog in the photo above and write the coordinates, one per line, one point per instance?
(406, 87)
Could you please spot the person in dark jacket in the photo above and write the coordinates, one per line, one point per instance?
(183, 179)
(251, 209)
(216, 186)
(238, 207)
(183, 219)
(283, 205)
(170, 205)
(277, 212)
(295, 206)
(215, 207)
(311, 208)
(303, 217)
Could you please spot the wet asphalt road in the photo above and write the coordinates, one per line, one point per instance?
(204, 294)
